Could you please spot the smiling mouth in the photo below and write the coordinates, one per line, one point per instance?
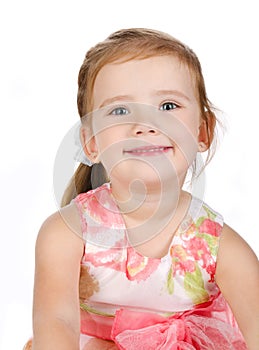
(148, 150)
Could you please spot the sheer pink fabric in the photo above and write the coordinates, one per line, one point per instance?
(208, 327)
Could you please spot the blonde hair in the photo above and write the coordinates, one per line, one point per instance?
(121, 46)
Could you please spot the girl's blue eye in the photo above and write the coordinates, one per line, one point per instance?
(119, 111)
(167, 106)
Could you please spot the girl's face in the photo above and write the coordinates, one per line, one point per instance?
(146, 120)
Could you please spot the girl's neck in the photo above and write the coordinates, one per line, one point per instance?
(147, 211)
(140, 202)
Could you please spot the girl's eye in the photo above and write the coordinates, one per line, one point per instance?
(119, 111)
(167, 106)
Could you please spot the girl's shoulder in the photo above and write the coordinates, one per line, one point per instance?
(63, 224)
(235, 254)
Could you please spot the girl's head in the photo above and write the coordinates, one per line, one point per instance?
(137, 44)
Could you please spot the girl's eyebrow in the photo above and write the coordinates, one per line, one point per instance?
(109, 101)
(172, 92)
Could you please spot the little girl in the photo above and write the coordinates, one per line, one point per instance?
(132, 260)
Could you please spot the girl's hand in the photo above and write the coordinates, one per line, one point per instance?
(100, 344)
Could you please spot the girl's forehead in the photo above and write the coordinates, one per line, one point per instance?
(137, 76)
(155, 62)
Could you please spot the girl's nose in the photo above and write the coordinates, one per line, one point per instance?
(144, 130)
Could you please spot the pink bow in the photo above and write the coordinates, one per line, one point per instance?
(189, 331)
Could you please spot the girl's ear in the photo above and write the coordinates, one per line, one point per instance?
(89, 144)
(206, 131)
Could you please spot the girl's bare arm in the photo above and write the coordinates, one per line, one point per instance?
(56, 317)
(238, 278)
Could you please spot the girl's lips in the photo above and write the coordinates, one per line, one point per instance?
(148, 150)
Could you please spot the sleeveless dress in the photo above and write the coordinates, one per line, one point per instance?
(147, 303)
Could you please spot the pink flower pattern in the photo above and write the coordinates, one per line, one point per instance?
(197, 249)
(136, 266)
(179, 284)
(191, 250)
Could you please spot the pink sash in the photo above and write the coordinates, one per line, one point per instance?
(208, 327)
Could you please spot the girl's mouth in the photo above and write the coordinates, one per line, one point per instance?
(148, 150)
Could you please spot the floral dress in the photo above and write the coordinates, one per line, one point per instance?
(140, 302)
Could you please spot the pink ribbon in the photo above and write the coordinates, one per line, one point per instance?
(192, 330)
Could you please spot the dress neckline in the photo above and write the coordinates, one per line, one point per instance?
(181, 228)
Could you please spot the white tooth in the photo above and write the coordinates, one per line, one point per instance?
(150, 150)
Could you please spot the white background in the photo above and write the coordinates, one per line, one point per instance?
(43, 44)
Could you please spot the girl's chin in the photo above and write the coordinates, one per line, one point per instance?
(148, 173)
(147, 180)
